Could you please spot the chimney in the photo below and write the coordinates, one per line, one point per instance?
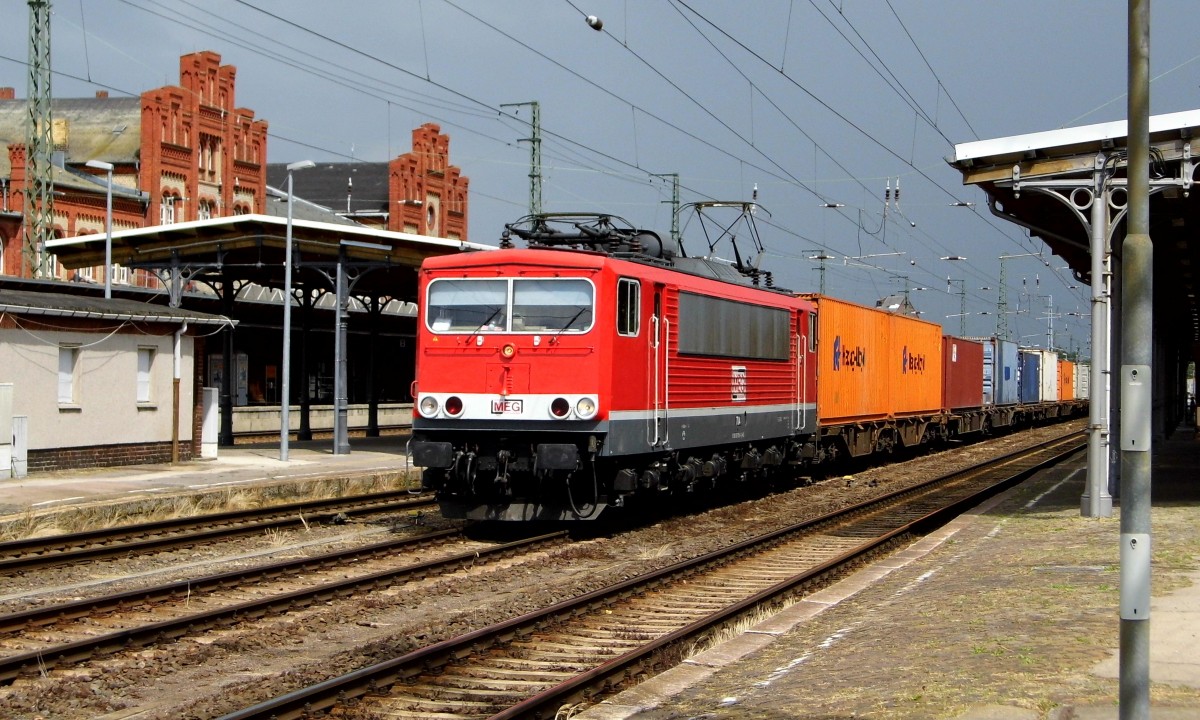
(7, 93)
(101, 94)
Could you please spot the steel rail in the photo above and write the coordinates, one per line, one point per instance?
(39, 661)
(326, 695)
(62, 612)
(18, 555)
(618, 670)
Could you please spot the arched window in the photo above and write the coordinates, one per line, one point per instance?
(166, 210)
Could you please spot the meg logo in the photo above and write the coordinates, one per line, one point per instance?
(504, 406)
(854, 358)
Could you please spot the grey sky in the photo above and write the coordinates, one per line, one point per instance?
(813, 100)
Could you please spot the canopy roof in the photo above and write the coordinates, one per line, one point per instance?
(1043, 182)
(252, 248)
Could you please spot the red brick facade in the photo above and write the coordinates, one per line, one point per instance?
(202, 156)
(99, 456)
(197, 155)
(427, 195)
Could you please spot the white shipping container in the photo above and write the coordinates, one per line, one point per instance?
(1049, 375)
(1083, 374)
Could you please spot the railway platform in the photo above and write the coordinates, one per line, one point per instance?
(252, 464)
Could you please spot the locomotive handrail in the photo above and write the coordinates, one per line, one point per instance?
(654, 320)
(666, 381)
(801, 380)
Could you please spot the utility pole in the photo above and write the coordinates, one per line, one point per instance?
(535, 154)
(1137, 361)
(674, 201)
(39, 143)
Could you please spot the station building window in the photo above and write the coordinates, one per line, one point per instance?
(145, 367)
(68, 374)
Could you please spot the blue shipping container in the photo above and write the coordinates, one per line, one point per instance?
(1001, 370)
(1031, 377)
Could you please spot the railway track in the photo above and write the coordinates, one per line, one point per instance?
(570, 654)
(26, 554)
(46, 638)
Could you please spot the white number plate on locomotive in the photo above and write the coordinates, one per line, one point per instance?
(505, 406)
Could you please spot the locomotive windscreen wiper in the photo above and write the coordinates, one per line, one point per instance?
(572, 320)
(490, 318)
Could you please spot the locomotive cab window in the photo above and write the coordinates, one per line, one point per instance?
(629, 307)
(467, 305)
(537, 305)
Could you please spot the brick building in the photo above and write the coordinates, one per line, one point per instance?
(187, 152)
(183, 152)
(418, 192)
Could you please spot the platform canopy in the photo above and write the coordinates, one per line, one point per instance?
(252, 248)
(1044, 181)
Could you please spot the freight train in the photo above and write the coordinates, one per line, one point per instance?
(598, 369)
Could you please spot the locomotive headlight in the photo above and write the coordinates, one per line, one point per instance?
(429, 406)
(454, 406)
(508, 351)
(585, 408)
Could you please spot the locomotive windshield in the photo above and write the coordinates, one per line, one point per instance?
(534, 305)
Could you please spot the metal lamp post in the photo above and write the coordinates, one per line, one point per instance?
(108, 168)
(341, 401)
(285, 384)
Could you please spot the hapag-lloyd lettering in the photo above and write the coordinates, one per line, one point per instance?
(851, 358)
(914, 362)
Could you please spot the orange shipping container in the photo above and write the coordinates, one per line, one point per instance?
(1066, 380)
(872, 364)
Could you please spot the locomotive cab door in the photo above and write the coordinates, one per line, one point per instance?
(660, 332)
(805, 339)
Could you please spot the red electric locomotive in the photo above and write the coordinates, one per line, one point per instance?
(597, 368)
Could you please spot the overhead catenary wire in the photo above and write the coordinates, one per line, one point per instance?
(323, 36)
(571, 149)
(836, 113)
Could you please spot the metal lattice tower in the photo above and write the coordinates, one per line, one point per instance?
(674, 205)
(962, 303)
(821, 257)
(1002, 307)
(39, 143)
(535, 154)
